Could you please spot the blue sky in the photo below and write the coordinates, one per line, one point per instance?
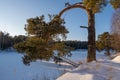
(14, 13)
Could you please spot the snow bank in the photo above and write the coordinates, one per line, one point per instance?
(75, 76)
(116, 59)
(94, 71)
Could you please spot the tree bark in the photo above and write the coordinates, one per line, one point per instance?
(91, 37)
(107, 51)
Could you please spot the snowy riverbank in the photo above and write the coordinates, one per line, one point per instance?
(12, 68)
(103, 69)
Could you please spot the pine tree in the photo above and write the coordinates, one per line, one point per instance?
(115, 30)
(104, 42)
(42, 39)
(91, 7)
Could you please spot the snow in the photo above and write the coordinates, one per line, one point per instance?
(117, 59)
(100, 70)
(12, 68)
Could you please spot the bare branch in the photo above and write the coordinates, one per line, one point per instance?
(69, 6)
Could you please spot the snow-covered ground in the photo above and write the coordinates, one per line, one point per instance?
(103, 69)
(12, 68)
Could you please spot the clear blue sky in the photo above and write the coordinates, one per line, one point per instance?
(14, 13)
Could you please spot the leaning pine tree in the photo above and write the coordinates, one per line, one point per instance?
(43, 39)
(91, 7)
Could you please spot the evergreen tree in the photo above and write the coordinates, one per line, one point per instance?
(91, 7)
(115, 30)
(42, 37)
(115, 41)
(104, 42)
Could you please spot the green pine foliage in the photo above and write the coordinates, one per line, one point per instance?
(115, 38)
(98, 5)
(115, 3)
(104, 42)
(43, 38)
(46, 30)
(19, 38)
(95, 5)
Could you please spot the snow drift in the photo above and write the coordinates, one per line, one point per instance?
(116, 59)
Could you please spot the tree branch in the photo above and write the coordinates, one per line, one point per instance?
(76, 5)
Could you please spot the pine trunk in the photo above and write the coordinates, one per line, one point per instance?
(107, 51)
(91, 37)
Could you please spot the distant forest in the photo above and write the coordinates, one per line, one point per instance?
(7, 41)
(77, 44)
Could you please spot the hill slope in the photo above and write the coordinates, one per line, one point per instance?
(103, 69)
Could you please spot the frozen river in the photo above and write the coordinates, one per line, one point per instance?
(12, 68)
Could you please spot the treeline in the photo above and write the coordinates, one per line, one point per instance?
(77, 44)
(7, 41)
